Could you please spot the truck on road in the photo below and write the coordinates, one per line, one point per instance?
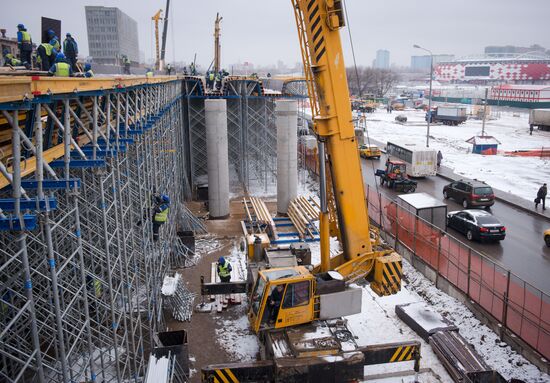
(448, 115)
(540, 118)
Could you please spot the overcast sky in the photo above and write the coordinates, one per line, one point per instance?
(264, 31)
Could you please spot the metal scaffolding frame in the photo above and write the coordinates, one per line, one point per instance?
(252, 136)
(80, 273)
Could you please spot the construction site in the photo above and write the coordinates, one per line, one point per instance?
(168, 228)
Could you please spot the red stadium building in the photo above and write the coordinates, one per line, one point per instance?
(520, 69)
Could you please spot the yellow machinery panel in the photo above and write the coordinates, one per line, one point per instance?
(387, 275)
(250, 238)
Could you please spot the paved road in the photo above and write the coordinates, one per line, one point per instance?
(523, 251)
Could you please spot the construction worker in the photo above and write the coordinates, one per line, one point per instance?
(211, 78)
(168, 69)
(149, 73)
(224, 270)
(9, 59)
(24, 42)
(193, 69)
(70, 48)
(54, 40)
(45, 56)
(61, 68)
(275, 300)
(219, 80)
(126, 62)
(88, 70)
(160, 214)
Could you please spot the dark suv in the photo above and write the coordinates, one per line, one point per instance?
(470, 193)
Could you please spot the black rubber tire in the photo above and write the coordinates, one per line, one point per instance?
(465, 203)
(412, 189)
(445, 195)
(469, 235)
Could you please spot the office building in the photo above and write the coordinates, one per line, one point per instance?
(422, 63)
(382, 60)
(111, 34)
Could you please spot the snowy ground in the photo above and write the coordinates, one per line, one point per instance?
(500, 171)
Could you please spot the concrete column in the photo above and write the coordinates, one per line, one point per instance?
(218, 161)
(286, 114)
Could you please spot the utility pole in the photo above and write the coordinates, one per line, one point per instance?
(430, 99)
(484, 113)
(217, 47)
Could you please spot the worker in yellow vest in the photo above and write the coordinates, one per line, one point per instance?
(224, 270)
(9, 59)
(160, 214)
(149, 73)
(24, 42)
(45, 56)
(61, 68)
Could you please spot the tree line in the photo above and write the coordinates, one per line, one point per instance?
(366, 80)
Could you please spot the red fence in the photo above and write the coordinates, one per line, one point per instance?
(517, 305)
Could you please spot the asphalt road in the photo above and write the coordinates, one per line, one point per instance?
(522, 251)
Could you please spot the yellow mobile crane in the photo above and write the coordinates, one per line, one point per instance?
(304, 339)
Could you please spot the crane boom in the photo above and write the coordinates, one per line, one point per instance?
(156, 17)
(318, 23)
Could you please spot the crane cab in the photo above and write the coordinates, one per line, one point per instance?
(282, 297)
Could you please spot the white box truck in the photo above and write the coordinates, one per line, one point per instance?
(540, 118)
(449, 115)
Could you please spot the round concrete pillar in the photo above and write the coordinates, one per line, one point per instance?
(286, 114)
(215, 112)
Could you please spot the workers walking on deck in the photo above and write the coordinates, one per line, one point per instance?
(126, 63)
(88, 70)
(160, 214)
(224, 270)
(149, 73)
(439, 158)
(541, 197)
(192, 69)
(61, 68)
(24, 42)
(70, 48)
(45, 56)
(168, 69)
(9, 59)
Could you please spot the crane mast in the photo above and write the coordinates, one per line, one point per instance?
(217, 46)
(318, 24)
(156, 17)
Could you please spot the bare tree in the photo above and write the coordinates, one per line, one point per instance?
(370, 81)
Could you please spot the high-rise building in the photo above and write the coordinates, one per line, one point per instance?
(111, 34)
(422, 63)
(382, 60)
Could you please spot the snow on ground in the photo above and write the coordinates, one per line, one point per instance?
(497, 354)
(500, 171)
(233, 333)
(235, 336)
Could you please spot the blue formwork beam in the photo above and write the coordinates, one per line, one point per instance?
(88, 150)
(31, 184)
(286, 224)
(291, 234)
(120, 140)
(79, 164)
(275, 219)
(8, 204)
(14, 223)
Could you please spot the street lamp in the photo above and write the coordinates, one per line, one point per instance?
(430, 99)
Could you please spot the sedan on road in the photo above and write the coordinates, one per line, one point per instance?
(476, 225)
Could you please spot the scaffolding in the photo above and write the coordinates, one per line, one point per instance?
(252, 135)
(81, 161)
